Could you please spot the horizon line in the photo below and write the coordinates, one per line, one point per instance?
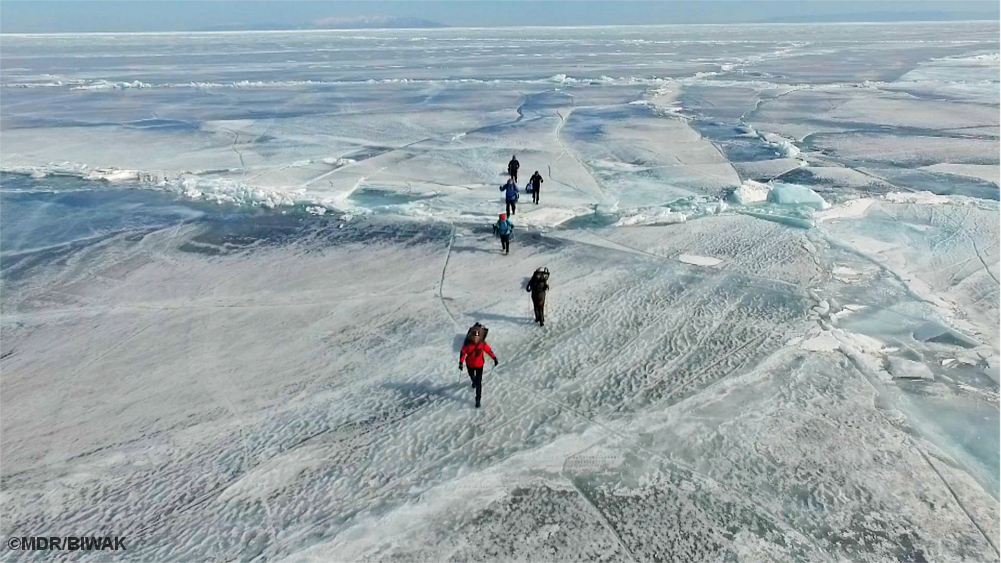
(447, 27)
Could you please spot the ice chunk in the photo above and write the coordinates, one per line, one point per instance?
(338, 161)
(822, 308)
(750, 192)
(112, 175)
(846, 275)
(793, 194)
(909, 369)
(786, 148)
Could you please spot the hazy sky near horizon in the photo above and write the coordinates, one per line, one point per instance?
(48, 16)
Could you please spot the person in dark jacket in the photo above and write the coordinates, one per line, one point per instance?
(536, 181)
(472, 355)
(503, 227)
(510, 190)
(539, 285)
(512, 168)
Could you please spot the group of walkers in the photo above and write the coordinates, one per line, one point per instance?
(504, 227)
(471, 356)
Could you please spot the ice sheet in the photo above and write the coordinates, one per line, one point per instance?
(236, 268)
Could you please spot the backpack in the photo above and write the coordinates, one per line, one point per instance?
(476, 334)
(528, 187)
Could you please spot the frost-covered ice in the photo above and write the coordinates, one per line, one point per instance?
(236, 268)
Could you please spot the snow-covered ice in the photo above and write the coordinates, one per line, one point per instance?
(237, 268)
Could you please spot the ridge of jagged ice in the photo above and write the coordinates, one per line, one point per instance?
(805, 205)
(186, 184)
(226, 191)
(678, 212)
(781, 193)
(562, 79)
(104, 84)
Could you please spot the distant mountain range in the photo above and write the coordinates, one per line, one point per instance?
(362, 22)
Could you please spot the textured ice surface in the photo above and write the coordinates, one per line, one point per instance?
(236, 268)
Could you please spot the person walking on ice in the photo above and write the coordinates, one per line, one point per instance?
(510, 190)
(512, 168)
(536, 181)
(539, 285)
(472, 354)
(503, 228)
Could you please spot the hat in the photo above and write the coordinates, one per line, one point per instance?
(502, 216)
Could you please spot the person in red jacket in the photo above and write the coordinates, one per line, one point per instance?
(472, 355)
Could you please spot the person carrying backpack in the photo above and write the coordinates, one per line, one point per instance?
(510, 190)
(536, 181)
(512, 168)
(503, 228)
(539, 285)
(472, 355)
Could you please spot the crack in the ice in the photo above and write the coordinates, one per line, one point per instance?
(601, 515)
(986, 267)
(691, 472)
(958, 501)
(236, 139)
(880, 390)
(566, 151)
(441, 284)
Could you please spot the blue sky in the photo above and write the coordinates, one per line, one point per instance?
(171, 15)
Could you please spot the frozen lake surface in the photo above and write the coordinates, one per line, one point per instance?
(237, 267)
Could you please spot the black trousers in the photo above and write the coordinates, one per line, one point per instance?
(540, 310)
(513, 174)
(510, 207)
(476, 375)
(535, 195)
(505, 242)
